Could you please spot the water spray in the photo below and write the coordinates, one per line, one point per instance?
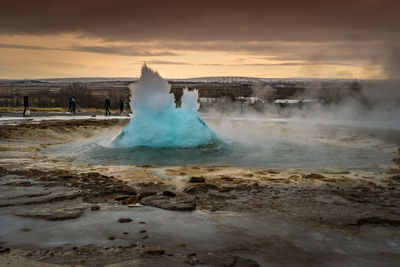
(156, 122)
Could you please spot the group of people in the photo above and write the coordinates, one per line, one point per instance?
(72, 106)
(107, 106)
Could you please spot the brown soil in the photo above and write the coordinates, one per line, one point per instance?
(344, 201)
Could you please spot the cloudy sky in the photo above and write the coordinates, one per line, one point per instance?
(193, 38)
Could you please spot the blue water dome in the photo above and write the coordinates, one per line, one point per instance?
(156, 122)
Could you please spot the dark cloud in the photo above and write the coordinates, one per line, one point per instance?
(121, 50)
(18, 46)
(307, 30)
(322, 51)
(165, 62)
(215, 64)
(293, 20)
(64, 64)
(129, 50)
(285, 51)
(298, 64)
(281, 64)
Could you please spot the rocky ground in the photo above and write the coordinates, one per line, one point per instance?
(39, 188)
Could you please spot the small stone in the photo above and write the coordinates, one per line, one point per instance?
(26, 229)
(314, 176)
(192, 261)
(246, 262)
(111, 238)
(182, 245)
(93, 175)
(142, 222)
(154, 250)
(146, 194)
(395, 178)
(123, 197)
(136, 205)
(126, 189)
(66, 177)
(3, 250)
(169, 194)
(124, 220)
(196, 179)
(189, 189)
(95, 207)
(142, 231)
(180, 202)
(125, 233)
(52, 214)
(145, 237)
(131, 199)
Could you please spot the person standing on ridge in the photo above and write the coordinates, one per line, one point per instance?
(121, 107)
(107, 105)
(26, 105)
(72, 103)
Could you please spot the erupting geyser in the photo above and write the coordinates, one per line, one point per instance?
(157, 123)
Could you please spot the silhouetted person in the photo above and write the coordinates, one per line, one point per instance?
(121, 107)
(72, 105)
(26, 105)
(107, 105)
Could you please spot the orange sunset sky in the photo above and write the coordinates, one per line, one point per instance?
(277, 39)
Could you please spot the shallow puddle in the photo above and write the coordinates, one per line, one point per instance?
(266, 239)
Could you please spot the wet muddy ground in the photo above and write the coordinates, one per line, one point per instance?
(57, 212)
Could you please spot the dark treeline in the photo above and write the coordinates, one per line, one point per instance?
(85, 96)
(92, 94)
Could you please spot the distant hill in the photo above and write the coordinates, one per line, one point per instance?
(243, 80)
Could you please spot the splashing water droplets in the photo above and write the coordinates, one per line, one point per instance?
(157, 123)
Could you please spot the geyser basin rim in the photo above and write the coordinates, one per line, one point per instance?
(280, 154)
